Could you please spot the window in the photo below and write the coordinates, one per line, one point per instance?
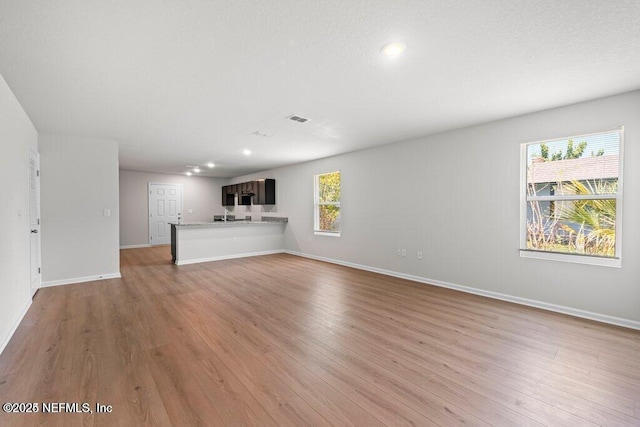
(571, 198)
(327, 204)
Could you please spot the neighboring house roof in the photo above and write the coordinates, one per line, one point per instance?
(594, 167)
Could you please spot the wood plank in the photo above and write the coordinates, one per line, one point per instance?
(545, 412)
(284, 340)
(183, 397)
(381, 405)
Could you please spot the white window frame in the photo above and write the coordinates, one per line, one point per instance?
(317, 204)
(524, 199)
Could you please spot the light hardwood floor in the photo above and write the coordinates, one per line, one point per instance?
(283, 340)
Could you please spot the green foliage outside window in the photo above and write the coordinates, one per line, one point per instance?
(570, 153)
(584, 226)
(328, 209)
(580, 226)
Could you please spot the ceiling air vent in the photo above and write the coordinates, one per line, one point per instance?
(297, 118)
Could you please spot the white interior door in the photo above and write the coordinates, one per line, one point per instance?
(34, 219)
(165, 207)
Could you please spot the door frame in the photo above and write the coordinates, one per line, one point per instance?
(149, 184)
(33, 153)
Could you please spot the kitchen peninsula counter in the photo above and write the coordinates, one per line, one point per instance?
(212, 241)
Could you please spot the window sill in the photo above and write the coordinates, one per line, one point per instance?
(326, 233)
(572, 258)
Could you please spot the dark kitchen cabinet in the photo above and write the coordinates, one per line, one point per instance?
(265, 192)
(260, 192)
(246, 188)
(228, 195)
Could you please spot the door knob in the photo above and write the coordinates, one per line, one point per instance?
(34, 231)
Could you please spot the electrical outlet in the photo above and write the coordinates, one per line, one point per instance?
(398, 252)
(419, 255)
(404, 252)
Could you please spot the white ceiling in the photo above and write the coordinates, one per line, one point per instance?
(187, 82)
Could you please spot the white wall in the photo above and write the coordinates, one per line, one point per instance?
(17, 136)
(79, 180)
(455, 197)
(200, 194)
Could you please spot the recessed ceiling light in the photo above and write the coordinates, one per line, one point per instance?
(210, 165)
(189, 173)
(394, 48)
(196, 170)
(246, 152)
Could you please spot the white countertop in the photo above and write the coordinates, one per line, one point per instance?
(226, 224)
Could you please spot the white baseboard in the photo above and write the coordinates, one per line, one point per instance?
(220, 258)
(13, 329)
(145, 245)
(618, 321)
(80, 280)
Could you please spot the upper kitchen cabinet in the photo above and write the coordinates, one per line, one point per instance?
(260, 192)
(228, 195)
(246, 188)
(265, 192)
